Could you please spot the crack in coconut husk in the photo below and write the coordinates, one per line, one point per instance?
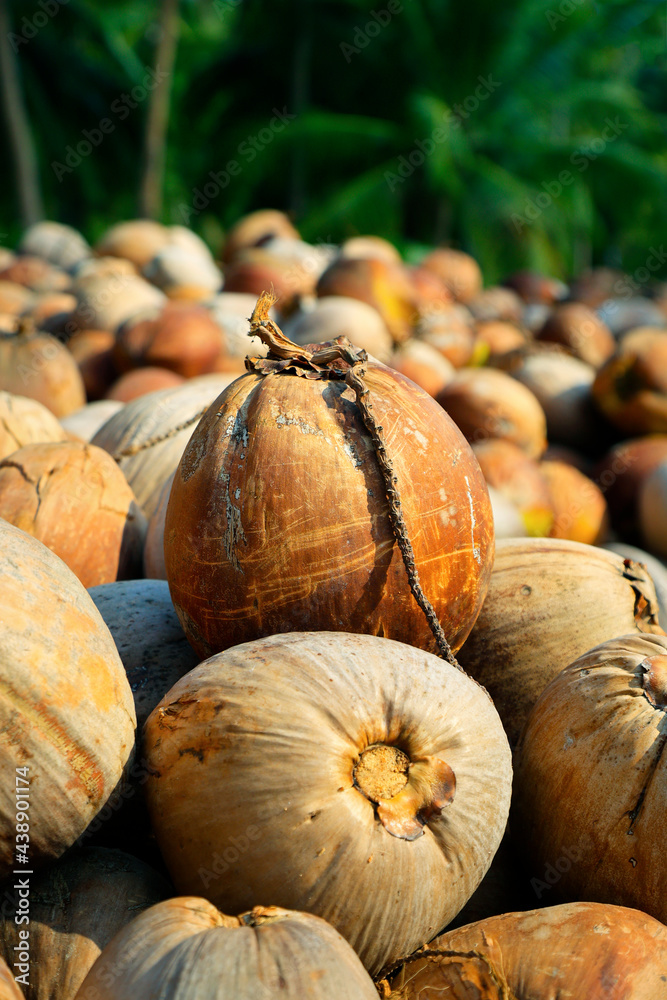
(339, 359)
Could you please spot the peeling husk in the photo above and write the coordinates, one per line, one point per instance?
(591, 772)
(66, 709)
(549, 601)
(185, 948)
(586, 951)
(388, 862)
(76, 908)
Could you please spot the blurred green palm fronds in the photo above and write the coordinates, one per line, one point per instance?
(531, 133)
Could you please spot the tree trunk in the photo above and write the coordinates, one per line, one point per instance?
(18, 127)
(152, 182)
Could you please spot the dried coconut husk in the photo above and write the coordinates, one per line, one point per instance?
(424, 364)
(76, 908)
(562, 385)
(631, 387)
(549, 601)
(85, 423)
(66, 709)
(74, 498)
(519, 478)
(378, 764)
(141, 381)
(37, 365)
(148, 435)
(338, 316)
(656, 568)
(620, 475)
(182, 336)
(154, 564)
(93, 352)
(25, 421)
(579, 507)
(185, 948)
(488, 404)
(582, 950)
(59, 244)
(148, 636)
(581, 331)
(590, 772)
(385, 286)
(459, 272)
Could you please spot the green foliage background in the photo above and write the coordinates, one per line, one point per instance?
(563, 67)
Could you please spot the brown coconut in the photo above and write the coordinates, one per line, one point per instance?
(148, 435)
(182, 336)
(137, 241)
(37, 365)
(424, 364)
(579, 507)
(543, 609)
(74, 498)
(286, 549)
(590, 771)
(519, 478)
(25, 421)
(254, 228)
(459, 271)
(577, 950)
(66, 711)
(576, 327)
(485, 403)
(631, 387)
(620, 474)
(140, 381)
(93, 352)
(385, 286)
